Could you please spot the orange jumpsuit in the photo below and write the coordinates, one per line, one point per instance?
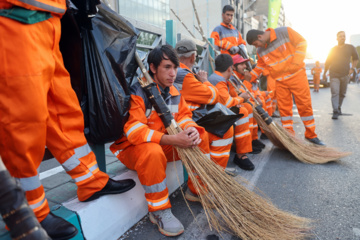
(283, 58)
(196, 94)
(316, 71)
(243, 136)
(226, 37)
(38, 107)
(140, 148)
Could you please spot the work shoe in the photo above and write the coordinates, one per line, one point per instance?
(167, 223)
(244, 162)
(339, 111)
(257, 144)
(113, 187)
(58, 228)
(316, 141)
(256, 150)
(192, 197)
(263, 136)
(335, 115)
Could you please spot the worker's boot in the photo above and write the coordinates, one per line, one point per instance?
(167, 223)
(257, 144)
(58, 228)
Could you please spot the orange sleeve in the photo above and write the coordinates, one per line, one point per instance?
(300, 46)
(260, 67)
(241, 40)
(225, 98)
(195, 91)
(184, 115)
(136, 129)
(223, 44)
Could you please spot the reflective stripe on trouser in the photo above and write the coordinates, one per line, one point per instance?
(25, 82)
(65, 131)
(298, 87)
(242, 133)
(149, 160)
(252, 122)
(220, 147)
(268, 105)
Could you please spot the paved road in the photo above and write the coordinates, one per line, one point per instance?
(329, 194)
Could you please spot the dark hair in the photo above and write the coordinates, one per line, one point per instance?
(223, 62)
(252, 35)
(160, 53)
(228, 8)
(339, 33)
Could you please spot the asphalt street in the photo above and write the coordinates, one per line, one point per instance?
(328, 194)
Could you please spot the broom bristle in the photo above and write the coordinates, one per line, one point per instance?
(236, 209)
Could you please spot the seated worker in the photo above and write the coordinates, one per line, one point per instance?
(243, 139)
(147, 147)
(262, 97)
(197, 91)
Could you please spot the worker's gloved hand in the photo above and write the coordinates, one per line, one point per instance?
(234, 50)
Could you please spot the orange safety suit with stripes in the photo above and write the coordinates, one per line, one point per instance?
(316, 71)
(226, 37)
(283, 57)
(140, 148)
(242, 131)
(38, 107)
(196, 94)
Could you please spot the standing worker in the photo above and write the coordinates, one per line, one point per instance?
(338, 61)
(38, 107)
(316, 71)
(226, 36)
(281, 52)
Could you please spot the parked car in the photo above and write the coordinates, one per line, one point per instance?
(310, 77)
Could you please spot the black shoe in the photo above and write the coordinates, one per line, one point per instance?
(113, 187)
(58, 228)
(257, 144)
(256, 150)
(316, 141)
(263, 136)
(335, 115)
(244, 163)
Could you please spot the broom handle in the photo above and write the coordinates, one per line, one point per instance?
(251, 95)
(236, 88)
(207, 41)
(182, 23)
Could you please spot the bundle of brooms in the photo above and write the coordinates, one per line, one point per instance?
(304, 151)
(229, 205)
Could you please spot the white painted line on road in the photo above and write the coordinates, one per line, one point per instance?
(51, 172)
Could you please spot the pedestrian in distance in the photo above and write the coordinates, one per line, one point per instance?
(39, 108)
(281, 52)
(316, 71)
(338, 63)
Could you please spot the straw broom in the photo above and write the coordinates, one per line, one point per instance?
(230, 206)
(304, 151)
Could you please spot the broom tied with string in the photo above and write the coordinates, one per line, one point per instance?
(228, 205)
(304, 151)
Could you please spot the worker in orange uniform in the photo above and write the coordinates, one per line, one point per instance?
(146, 146)
(198, 91)
(38, 107)
(243, 137)
(226, 37)
(262, 97)
(281, 52)
(316, 71)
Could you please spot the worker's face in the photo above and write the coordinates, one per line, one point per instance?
(341, 38)
(240, 68)
(227, 17)
(317, 64)
(165, 73)
(261, 42)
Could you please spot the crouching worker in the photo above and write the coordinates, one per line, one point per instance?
(147, 147)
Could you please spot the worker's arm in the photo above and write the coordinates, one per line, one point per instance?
(300, 46)
(256, 72)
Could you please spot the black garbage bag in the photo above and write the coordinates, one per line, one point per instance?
(108, 67)
(216, 119)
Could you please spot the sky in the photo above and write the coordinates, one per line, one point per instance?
(318, 21)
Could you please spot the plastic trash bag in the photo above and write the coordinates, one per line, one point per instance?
(107, 69)
(216, 119)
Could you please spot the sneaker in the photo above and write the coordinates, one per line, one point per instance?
(192, 197)
(335, 115)
(258, 144)
(167, 223)
(263, 136)
(316, 141)
(244, 162)
(256, 150)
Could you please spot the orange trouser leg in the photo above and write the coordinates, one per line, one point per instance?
(253, 126)
(316, 82)
(299, 88)
(25, 76)
(220, 147)
(65, 131)
(242, 133)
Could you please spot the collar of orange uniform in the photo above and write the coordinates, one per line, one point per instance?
(272, 35)
(230, 26)
(219, 73)
(184, 66)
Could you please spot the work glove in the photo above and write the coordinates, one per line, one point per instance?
(234, 50)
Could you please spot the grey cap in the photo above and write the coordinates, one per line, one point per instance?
(185, 46)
